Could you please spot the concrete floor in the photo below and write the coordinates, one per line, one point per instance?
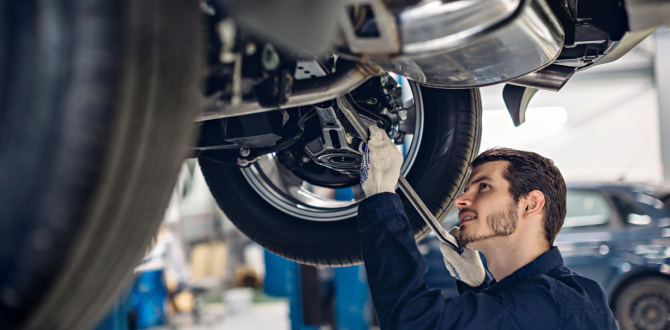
(260, 316)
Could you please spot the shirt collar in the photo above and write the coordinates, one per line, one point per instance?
(543, 264)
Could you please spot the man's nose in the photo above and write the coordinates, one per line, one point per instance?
(463, 200)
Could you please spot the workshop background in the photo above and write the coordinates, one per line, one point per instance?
(607, 124)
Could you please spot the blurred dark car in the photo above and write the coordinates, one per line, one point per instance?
(616, 234)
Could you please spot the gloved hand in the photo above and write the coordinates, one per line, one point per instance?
(466, 266)
(381, 163)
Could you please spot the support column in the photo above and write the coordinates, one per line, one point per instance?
(662, 82)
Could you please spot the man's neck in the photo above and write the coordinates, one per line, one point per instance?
(504, 255)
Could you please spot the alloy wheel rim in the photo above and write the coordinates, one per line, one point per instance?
(296, 197)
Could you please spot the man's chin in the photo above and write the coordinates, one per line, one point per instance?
(472, 241)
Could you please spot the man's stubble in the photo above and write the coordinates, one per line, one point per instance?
(503, 223)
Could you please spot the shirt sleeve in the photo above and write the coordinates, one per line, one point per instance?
(402, 300)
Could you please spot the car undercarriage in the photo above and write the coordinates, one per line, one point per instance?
(101, 101)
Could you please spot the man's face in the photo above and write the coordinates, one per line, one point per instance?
(486, 208)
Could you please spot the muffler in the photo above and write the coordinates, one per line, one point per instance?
(464, 44)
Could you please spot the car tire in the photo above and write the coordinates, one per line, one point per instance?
(644, 304)
(450, 141)
(97, 100)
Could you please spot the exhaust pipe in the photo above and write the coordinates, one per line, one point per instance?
(347, 77)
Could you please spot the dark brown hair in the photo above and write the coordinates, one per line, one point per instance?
(527, 171)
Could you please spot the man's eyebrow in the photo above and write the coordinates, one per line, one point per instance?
(484, 178)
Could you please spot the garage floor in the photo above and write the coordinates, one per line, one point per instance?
(258, 317)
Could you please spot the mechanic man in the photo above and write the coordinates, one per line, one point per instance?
(512, 207)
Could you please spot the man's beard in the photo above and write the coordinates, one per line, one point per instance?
(503, 223)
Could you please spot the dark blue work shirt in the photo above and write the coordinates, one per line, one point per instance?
(544, 294)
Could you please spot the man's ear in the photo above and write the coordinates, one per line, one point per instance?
(534, 203)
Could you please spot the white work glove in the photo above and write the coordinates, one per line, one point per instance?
(381, 164)
(466, 266)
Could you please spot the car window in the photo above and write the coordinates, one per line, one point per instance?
(665, 198)
(586, 209)
(630, 212)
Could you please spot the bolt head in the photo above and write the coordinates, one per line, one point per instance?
(242, 162)
(250, 49)
(270, 58)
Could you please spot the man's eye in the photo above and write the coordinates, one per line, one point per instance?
(483, 185)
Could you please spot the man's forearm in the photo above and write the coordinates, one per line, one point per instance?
(394, 265)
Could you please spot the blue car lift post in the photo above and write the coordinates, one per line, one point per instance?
(352, 302)
(353, 310)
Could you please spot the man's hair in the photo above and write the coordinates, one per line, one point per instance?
(527, 171)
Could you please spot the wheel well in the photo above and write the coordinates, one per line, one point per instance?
(619, 287)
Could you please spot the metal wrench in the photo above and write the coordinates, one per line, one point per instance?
(361, 128)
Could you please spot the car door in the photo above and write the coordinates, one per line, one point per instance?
(591, 231)
(646, 245)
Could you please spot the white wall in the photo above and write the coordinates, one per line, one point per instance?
(602, 126)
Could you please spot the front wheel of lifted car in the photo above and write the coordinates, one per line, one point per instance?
(449, 142)
(97, 99)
